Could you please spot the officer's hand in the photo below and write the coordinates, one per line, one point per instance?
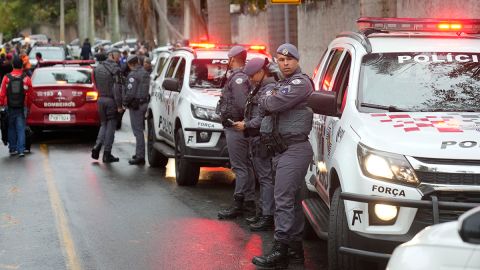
(120, 110)
(239, 126)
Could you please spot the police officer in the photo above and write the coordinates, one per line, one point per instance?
(136, 100)
(285, 133)
(108, 81)
(258, 72)
(231, 108)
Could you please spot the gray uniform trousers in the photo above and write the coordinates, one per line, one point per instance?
(291, 168)
(107, 110)
(238, 151)
(137, 120)
(264, 171)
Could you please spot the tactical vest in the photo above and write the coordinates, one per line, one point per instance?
(225, 104)
(296, 121)
(291, 122)
(15, 91)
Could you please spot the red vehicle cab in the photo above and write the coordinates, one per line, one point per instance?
(63, 95)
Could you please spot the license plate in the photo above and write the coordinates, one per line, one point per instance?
(59, 117)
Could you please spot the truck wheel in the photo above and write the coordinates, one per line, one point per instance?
(155, 158)
(187, 173)
(338, 235)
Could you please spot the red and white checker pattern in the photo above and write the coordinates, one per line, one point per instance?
(444, 123)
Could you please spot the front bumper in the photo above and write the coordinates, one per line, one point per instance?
(216, 155)
(380, 246)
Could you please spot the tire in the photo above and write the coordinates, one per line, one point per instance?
(155, 158)
(186, 172)
(338, 235)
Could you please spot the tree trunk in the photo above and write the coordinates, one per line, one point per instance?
(91, 25)
(62, 21)
(115, 26)
(82, 8)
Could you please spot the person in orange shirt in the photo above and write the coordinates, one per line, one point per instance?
(27, 66)
(14, 91)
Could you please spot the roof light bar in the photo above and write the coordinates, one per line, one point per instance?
(470, 26)
(258, 47)
(202, 45)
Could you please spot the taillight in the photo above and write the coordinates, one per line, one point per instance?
(91, 96)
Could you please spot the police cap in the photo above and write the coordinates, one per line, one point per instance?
(113, 50)
(236, 50)
(254, 65)
(288, 49)
(132, 59)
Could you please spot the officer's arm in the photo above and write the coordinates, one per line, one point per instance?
(257, 121)
(117, 90)
(240, 88)
(3, 91)
(287, 96)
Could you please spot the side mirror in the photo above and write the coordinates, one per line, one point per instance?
(469, 226)
(171, 84)
(323, 102)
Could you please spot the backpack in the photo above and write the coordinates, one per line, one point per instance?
(15, 91)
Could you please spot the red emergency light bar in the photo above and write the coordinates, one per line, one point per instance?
(48, 63)
(201, 45)
(470, 26)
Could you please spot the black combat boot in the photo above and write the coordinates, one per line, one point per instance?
(276, 259)
(249, 209)
(265, 223)
(233, 211)
(96, 151)
(136, 161)
(254, 219)
(295, 252)
(109, 158)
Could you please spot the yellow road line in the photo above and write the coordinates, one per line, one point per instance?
(66, 240)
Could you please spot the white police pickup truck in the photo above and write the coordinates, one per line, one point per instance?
(181, 118)
(396, 135)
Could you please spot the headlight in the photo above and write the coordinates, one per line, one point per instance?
(205, 113)
(385, 166)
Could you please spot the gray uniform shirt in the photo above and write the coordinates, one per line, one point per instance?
(288, 100)
(107, 80)
(238, 86)
(137, 86)
(258, 112)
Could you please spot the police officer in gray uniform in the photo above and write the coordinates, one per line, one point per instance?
(136, 100)
(285, 134)
(231, 108)
(108, 81)
(258, 72)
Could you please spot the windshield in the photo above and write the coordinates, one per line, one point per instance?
(207, 73)
(421, 81)
(48, 54)
(63, 76)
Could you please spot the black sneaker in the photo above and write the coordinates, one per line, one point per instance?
(21, 155)
(13, 153)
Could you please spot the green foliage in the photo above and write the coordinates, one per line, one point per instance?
(19, 14)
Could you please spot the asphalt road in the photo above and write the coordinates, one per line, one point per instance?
(59, 209)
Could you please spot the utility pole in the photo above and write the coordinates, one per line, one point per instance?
(91, 28)
(115, 22)
(82, 9)
(62, 21)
